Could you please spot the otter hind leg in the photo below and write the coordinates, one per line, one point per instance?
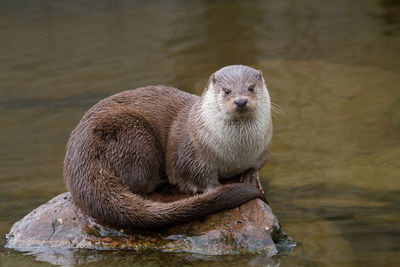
(132, 149)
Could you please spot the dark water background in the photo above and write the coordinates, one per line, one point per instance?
(333, 67)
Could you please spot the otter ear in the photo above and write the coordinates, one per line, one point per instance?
(260, 75)
(213, 78)
(211, 81)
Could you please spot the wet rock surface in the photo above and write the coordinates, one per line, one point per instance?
(250, 228)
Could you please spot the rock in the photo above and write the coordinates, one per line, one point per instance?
(250, 228)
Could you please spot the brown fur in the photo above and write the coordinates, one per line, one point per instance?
(124, 146)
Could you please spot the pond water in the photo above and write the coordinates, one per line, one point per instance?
(332, 67)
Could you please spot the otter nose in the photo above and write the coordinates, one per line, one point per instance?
(240, 102)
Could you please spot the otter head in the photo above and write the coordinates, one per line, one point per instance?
(236, 92)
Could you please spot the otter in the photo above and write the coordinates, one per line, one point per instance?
(130, 143)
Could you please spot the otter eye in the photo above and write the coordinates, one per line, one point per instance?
(251, 88)
(227, 91)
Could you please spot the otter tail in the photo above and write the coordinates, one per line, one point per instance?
(114, 205)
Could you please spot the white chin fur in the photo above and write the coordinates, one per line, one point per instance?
(236, 146)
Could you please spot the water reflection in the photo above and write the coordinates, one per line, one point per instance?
(214, 36)
(130, 258)
(391, 16)
(352, 217)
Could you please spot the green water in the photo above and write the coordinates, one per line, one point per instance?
(333, 68)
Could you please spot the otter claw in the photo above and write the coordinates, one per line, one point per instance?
(252, 177)
(263, 198)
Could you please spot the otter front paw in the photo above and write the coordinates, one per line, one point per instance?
(251, 176)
